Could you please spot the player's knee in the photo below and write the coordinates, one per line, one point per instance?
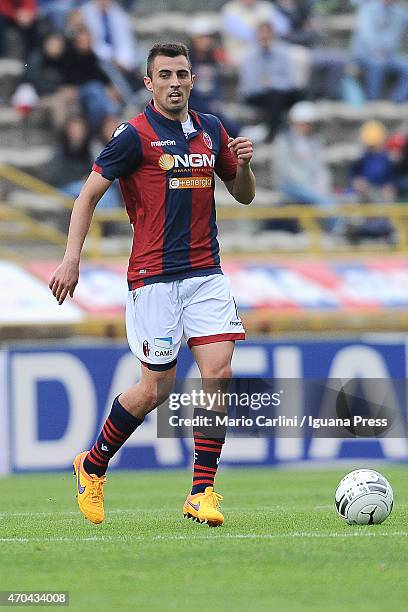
(215, 371)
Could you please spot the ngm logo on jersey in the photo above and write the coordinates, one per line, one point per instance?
(193, 160)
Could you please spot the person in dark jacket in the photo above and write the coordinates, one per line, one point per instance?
(373, 173)
(72, 157)
(47, 73)
(373, 180)
(47, 68)
(83, 70)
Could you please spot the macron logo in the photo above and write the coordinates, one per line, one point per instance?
(163, 143)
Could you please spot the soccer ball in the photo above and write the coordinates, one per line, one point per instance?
(364, 497)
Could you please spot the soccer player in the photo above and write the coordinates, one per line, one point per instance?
(165, 160)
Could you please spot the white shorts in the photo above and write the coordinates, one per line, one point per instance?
(158, 315)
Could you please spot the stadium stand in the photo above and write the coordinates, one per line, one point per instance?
(34, 215)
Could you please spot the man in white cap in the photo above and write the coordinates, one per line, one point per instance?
(300, 172)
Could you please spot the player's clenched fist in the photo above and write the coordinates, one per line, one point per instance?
(64, 280)
(242, 149)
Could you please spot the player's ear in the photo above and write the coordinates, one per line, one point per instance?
(148, 83)
(193, 78)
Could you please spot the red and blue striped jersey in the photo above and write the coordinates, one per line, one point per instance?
(167, 182)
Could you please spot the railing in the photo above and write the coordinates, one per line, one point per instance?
(28, 229)
(29, 182)
(310, 218)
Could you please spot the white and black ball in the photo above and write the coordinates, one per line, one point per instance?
(364, 497)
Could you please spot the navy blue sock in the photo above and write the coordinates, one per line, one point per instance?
(118, 427)
(207, 452)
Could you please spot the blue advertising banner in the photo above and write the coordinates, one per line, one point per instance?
(59, 397)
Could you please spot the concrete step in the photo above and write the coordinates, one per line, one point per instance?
(11, 71)
(186, 8)
(28, 158)
(36, 202)
(152, 16)
(9, 118)
(11, 67)
(24, 131)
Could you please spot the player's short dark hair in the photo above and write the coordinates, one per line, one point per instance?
(168, 50)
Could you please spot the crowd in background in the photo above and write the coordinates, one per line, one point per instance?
(83, 66)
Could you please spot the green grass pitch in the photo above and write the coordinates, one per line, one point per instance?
(282, 546)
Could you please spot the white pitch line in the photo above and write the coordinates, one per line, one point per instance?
(228, 536)
(76, 512)
(57, 513)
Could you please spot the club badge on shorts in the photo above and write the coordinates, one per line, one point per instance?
(146, 348)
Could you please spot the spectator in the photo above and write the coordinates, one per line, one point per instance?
(376, 47)
(98, 97)
(73, 22)
(299, 14)
(267, 77)
(20, 15)
(111, 32)
(72, 158)
(113, 42)
(299, 169)
(47, 74)
(240, 21)
(327, 64)
(55, 12)
(373, 180)
(46, 71)
(207, 60)
(373, 173)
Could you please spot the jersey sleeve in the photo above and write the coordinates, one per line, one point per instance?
(122, 155)
(225, 165)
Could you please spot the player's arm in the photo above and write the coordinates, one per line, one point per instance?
(242, 187)
(119, 158)
(233, 166)
(65, 277)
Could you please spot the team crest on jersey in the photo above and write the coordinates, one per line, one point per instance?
(207, 140)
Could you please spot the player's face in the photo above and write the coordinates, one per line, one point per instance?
(171, 83)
